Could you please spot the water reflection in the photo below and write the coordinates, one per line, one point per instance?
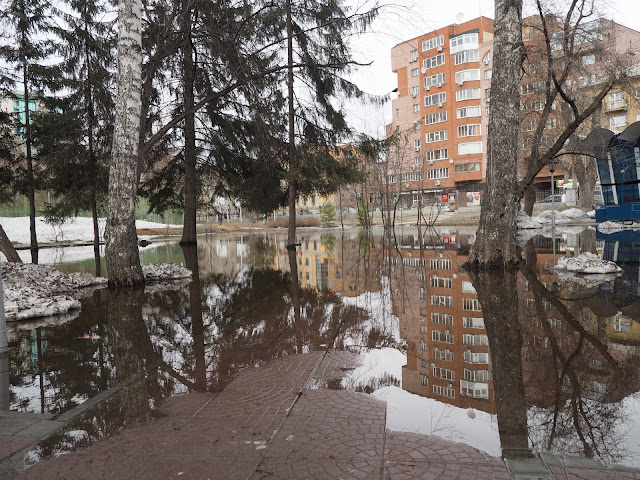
(510, 362)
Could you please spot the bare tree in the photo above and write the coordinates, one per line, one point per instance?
(122, 257)
(572, 60)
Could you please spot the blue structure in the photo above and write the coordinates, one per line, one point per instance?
(618, 161)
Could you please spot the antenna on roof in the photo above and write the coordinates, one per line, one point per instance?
(459, 17)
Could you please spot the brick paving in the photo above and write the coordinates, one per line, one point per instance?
(273, 422)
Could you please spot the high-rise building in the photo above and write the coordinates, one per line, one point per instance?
(440, 116)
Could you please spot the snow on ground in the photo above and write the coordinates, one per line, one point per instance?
(40, 290)
(587, 263)
(74, 230)
(565, 217)
(593, 280)
(32, 291)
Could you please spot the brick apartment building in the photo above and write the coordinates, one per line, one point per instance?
(440, 115)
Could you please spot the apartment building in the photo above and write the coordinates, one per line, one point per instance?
(440, 112)
(440, 115)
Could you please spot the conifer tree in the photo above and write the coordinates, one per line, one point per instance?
(24, 23)
(74, 136)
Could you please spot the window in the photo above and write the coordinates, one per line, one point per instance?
(443, 373)
(475, 340)
(444, 391)
(472, 322)
(476, 375)
(397, 112)
(436, 99)
(437, 117)
(467, 94)
(617, 124)
(422, 293)
(487, 58)
(440, 264)
(442, 300)
(439, 154)
(637, 92)
(622, 325)
(441, 282)
(465, 112)
(442, 318)
(466, 41)
(467, 167)
(467, 56)
(469, 148)
(432, 43)
(470, 130)
(537, 105)
(417, 160)
(473, 357)
(436, 136)
(437, 173)
(439, 336)
(467, 287)
(417, 143)
(487, 95)
(414, 72)
(415, 91)
(616, 100)
(488, 74)
(467, 76)
(471, 304)
(417, 125)
(588, 59)
(413, 56)
(474, 390)
(434, 80)
(445, 355)
(423, 345)
(424, 380)
(416, 107)
(433, 62)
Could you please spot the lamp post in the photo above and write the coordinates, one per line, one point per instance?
(552, 169)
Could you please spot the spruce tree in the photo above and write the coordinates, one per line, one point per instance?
(74, 135)
(25, 23)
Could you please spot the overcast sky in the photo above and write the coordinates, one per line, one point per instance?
(406, 19)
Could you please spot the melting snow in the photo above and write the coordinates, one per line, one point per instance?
(587, 263)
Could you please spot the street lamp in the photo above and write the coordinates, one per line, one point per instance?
(552, 169)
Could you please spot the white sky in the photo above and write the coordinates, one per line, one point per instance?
(406, 19)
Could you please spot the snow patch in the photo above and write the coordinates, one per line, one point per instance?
(525, 222)
(612, 227)
(40, 290)
(156, 272)
(587, 263)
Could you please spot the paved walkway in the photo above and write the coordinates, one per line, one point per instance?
(274, 422)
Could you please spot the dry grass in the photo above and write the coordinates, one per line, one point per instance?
(300, 222)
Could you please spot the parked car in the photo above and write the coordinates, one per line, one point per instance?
(551, 198)
(309, 211)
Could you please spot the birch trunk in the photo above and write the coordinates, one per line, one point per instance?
(123, 261)
(495, 244)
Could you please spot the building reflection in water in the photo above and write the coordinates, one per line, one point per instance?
(540, 361)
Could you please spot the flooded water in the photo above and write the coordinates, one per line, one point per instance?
(508, 362)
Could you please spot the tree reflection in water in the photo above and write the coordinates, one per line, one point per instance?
(549, 351)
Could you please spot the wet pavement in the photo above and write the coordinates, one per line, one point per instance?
(387, 361)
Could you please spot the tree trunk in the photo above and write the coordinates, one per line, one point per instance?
(190, 180)
(291, 238)
(30, 177)
(586, 175)
(7, 248)
(529, 200)
(496, 244)
(123, 261)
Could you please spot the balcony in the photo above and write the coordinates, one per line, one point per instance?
(617, 106)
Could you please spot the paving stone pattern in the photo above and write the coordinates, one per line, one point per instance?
(271, 422)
